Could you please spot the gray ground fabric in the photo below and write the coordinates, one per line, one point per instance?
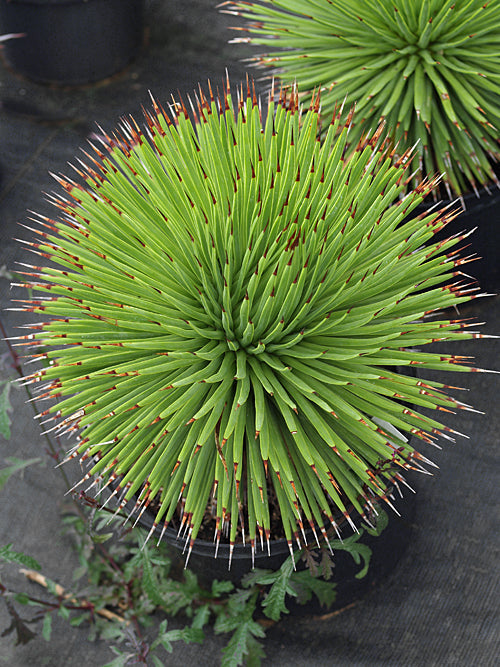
(440, 605)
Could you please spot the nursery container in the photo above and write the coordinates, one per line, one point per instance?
(71, 42)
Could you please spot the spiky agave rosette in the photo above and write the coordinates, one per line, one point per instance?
(430, 68)
(231, 304)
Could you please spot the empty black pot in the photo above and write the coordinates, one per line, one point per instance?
(71, 42)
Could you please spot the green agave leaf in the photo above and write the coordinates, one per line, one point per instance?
(231, 312)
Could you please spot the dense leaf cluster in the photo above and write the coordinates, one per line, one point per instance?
(430, 68)
(235, 307)
(118, 586)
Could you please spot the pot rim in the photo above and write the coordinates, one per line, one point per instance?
(244, 551)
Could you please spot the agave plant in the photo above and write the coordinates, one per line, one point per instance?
(431, 68)
(233, 309)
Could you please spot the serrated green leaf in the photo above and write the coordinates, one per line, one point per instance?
(221, 587)
(63, 612)
(112, 631)
(16, 465)
(5, 408)
(240, 606)
(7, 554)
(76, 621)
(381, 523)
(201, 617)
(256, 576)
(359, 552)
(166, 637)
(149, 581)
(188, 635)
(80, 572)
(100, 538)
(121, 659)
(47, 626)
(240, 644)
(305, 585)
(274, 601)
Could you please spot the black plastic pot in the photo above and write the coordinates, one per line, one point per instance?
(387, 549)
(482, 212)
(71, 42)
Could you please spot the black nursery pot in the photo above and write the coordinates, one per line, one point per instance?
(482, 212)
(387, 549)
(71, 42)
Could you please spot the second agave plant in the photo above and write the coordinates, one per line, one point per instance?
(235, 311)
(429, 67)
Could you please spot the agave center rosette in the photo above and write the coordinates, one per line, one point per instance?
(229, 305)
(431, 68)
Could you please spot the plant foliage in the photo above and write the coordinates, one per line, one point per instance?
(5, 408)
(124, 585)
(14, 465)
(430, 68)
(230, 303)
(8, 555)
